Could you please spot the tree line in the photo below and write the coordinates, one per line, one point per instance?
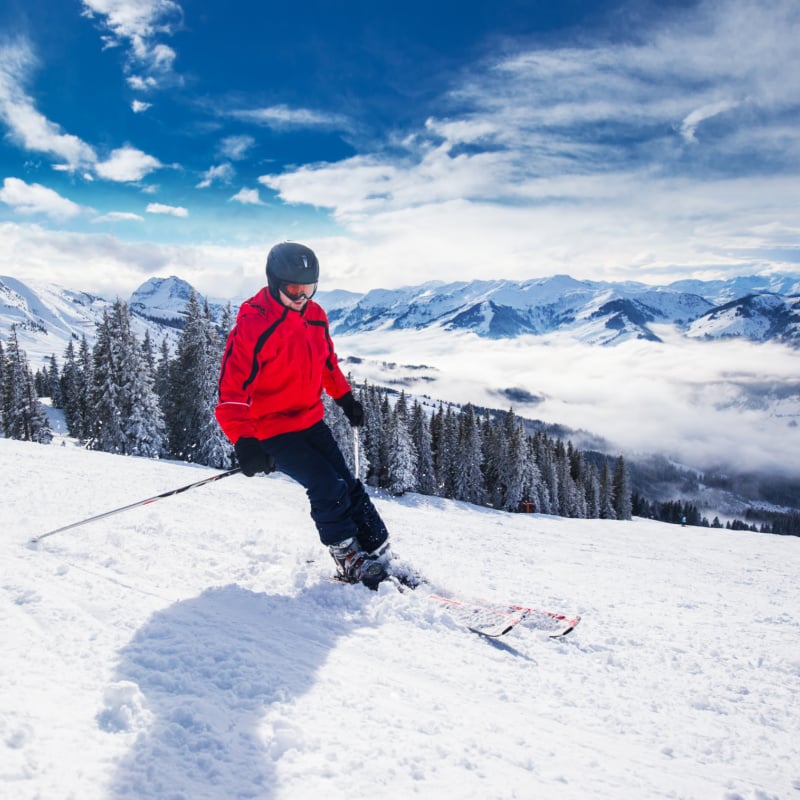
(123, 396)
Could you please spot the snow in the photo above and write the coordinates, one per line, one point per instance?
(195, 648)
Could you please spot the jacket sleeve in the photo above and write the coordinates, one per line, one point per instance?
(233, 410)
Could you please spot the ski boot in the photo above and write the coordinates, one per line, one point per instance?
(356, 566)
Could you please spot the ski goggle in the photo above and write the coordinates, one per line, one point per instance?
(298, 291)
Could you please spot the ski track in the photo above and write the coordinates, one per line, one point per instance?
(194, 648)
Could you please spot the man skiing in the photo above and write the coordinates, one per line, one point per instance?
(277, 360)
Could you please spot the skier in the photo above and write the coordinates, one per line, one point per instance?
(277, 360)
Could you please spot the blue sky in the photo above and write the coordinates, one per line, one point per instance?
(436, 140)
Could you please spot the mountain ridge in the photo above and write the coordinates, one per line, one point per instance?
(592, 312)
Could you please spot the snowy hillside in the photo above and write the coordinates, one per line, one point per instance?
(194, 648)
(47, 316)
(755, 317)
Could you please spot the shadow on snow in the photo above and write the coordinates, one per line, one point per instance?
(199, 679)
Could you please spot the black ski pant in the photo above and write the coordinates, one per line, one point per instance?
(340, 506)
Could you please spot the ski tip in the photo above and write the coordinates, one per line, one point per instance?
(568, 629)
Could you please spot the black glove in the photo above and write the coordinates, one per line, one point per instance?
(353, 410)
(251, 456)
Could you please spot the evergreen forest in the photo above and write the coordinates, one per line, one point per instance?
(129, 397)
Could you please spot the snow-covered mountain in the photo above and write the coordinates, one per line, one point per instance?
(588, 311)
(195, 648)
(47, 316)
(591, 312)
(758, 317)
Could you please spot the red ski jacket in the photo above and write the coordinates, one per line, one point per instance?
(276, 363)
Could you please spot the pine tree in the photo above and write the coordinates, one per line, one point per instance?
(145, 429)
(469, 482)
(592, 490)
(569, 504)
(24, 417)
(162, 381)
(532, 484)
(606, 493)
(423, 446)
(446, 457)
(548, 492)
(194, 434)
(85, 378)
(106, 432)
(622, 490)
(343, 433)
(69, 388)
(53, 387)
(127, 417)
(373, 434)
(401, 454)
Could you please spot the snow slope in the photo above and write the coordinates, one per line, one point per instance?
(193, 648)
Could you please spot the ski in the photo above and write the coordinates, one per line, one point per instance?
(485, 620)
(483, 617)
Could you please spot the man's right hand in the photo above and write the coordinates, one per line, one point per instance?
(251, 456)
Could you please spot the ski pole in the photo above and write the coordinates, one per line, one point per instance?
(37, 539)
(355, 452)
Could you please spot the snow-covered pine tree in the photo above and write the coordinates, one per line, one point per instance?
(592, 488)
(127, 416)
(194, 434)
(373, 434)
(145, 429)
(86, 389)
(401, 457)
(148, 353)
(545, 459)
(215, 449)
(622, 490)
(445, 460)
(106, 432)
(24, 417)
(69, 389)
(423, 446)
(533, 488)
(162, 381)
(469, 483)
(53, 388)
(343, 433)
(606, 493)
(512, 473)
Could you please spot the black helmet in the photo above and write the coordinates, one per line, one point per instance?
(290, 262)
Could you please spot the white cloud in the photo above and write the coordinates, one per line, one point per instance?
(160, 208)
(247, 197)
(138, 26)
(692, 120)
(283, 116)
(28, 128)
(33, 198)
(680, 398)
(119, 216)
(138, 106)
(236, 148)
(222, 172)
(127, 165)
(108, 265)
(587, 159)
